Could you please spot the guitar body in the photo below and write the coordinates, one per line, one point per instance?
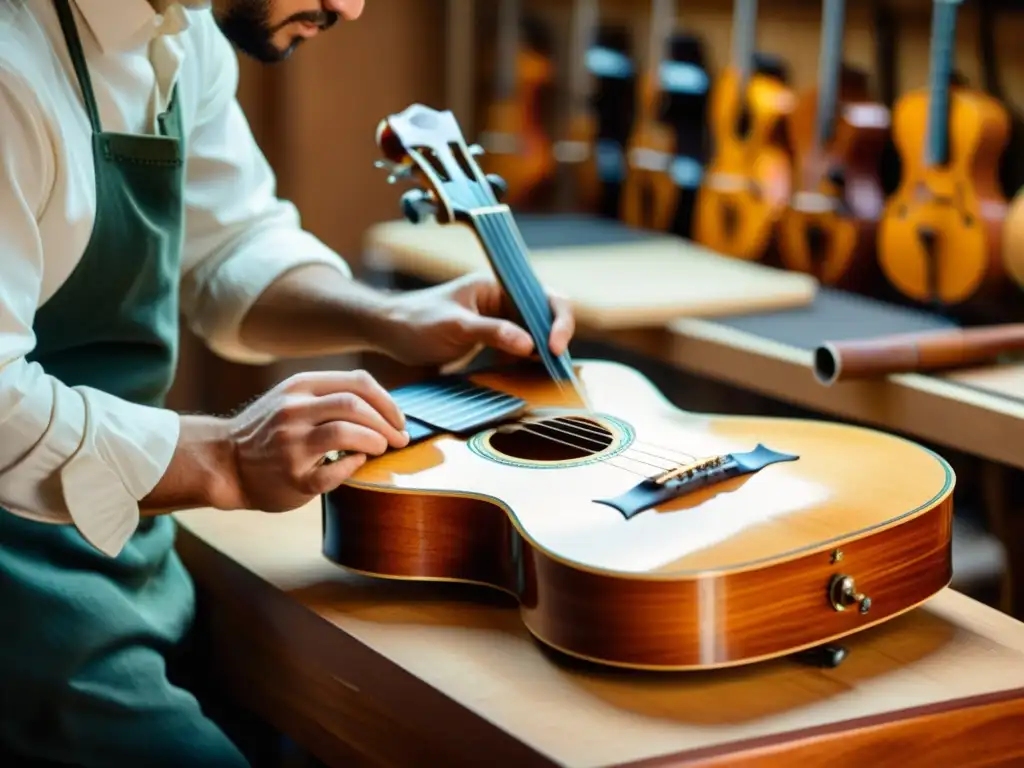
(747, 183)
(518, 148)
(960, 207)
(649, 193)
(830, 227)
(733, 572)
(1013, 240)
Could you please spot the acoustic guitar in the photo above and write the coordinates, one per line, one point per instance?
(747, 182)
(578, 151)
(838, 136)
(630, 532)
(939, 238)
(519, 149)
(650, 194)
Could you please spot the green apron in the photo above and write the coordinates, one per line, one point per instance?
(84, 637)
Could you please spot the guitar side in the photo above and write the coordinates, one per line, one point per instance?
(724, 575)
(748, 180)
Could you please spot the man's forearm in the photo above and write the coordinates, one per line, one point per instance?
(316, 310)
(201, 472)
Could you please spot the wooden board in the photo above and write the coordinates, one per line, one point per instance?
(645, 283)
(400, 673)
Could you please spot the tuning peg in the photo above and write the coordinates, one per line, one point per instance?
(396, 171)
(476, 150)
(417, 205)
(498, 185)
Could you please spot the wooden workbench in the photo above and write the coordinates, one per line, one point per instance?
(365, 672)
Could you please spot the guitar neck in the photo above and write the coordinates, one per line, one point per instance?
(829, 69)
(508, 48)
(744, 33)
(661, 22)
(943, 42)
(507, 253)
(585, 20)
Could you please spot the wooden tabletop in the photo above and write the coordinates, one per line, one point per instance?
(369, 672)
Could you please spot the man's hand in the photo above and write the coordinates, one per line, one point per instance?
(444, 323)
(280, 440)
(270, 456)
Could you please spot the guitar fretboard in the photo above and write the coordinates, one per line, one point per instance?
(941, 69)
(455, 405)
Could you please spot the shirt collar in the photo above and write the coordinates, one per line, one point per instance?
(124, 24)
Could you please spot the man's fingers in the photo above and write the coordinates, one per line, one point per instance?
(327, 477)
(350, 407)
(345, 436)
(563, 326)
(502, 335)
(324, 383)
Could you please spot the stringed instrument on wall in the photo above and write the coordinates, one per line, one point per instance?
(747, 182)
(650, 194)
(1013, 240)
(578, 151)
(939, 239)
(632, 533)
(838, 136)
(519, 149)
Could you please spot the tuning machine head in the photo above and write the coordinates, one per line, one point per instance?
(418, 205)
(498, 185)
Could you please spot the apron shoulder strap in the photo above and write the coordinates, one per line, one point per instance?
(74, 43)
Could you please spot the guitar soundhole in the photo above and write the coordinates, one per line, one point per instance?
(563, 439)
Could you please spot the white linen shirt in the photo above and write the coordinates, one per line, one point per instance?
(75, 454)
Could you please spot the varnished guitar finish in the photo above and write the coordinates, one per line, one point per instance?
(939, 240)
(518, 147)
(748, 180)
(631, 532)
(650, 194)
(838, 136)
(731, 573)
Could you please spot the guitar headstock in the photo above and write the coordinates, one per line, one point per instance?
(426, 146)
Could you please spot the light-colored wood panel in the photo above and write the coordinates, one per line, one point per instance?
(645, 283)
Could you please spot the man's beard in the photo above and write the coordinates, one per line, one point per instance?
(246, 23)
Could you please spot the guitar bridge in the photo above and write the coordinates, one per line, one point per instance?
(691, 477)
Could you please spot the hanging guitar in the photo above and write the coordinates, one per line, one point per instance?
(747, 183)
(518, 147)
(829, 228)
(578, 151)
(650, 195)
(632, 533)
(939, 239)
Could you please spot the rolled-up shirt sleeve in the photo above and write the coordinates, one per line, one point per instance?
(240, 237)
(67, 454)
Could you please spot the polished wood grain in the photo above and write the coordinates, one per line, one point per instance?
(370, 672)
(723, 575)
(748, 180)
(961, 203)
(845, 214)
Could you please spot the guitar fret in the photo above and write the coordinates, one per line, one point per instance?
(455, 405)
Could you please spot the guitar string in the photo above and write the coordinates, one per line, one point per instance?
(572, 426)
